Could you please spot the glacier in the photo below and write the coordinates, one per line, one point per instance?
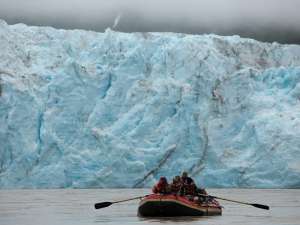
(81, 109)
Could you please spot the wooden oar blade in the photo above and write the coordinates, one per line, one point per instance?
(102, 205)
(261, 206)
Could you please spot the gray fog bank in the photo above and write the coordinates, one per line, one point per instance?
(265, 20)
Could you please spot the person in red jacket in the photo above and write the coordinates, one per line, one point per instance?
(162, 187)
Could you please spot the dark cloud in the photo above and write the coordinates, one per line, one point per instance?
(267, 20)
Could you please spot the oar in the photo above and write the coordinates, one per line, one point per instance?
(245, 203)
(106, 204)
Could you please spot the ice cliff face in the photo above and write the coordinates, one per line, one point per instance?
(86, 109)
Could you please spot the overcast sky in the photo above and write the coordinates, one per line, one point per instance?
(270, 20)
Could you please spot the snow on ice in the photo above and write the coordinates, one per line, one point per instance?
(85, 109)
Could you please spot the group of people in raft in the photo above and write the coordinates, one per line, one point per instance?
(181, 185)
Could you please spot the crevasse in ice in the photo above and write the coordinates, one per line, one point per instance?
(85, 109)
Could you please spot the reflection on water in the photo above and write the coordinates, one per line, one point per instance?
(76, 207)
(188, 219)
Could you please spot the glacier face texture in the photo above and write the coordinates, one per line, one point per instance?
(85, 109)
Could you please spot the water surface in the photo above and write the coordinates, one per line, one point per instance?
(76, 207)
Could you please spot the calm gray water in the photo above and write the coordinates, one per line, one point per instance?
(76, 207)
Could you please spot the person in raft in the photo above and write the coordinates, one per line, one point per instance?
(189, 187)
(183, 185)
(176, 184)
(162, 187)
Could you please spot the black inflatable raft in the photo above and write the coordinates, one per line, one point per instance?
(157, 205)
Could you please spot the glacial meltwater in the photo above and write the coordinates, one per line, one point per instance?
(76, 207)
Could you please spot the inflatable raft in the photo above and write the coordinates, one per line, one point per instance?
(156, 205)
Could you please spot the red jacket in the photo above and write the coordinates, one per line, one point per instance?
(161, 187)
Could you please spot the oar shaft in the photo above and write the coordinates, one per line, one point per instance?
(106, 204)
(245, 203)
(129, 199)
(225, 199)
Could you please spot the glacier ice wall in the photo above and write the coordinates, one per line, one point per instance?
(86, 109)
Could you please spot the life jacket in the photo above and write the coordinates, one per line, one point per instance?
(189, 189)
(187, 180)
(175, 187)
(188, 186)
